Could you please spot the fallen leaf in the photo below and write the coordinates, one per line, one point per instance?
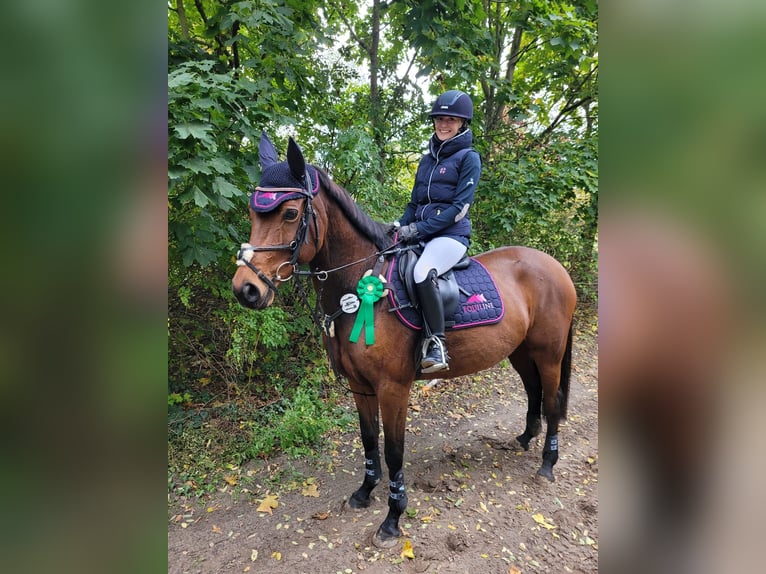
(268, 503)
(232, 480)
(216, 529)
(321, 515)
(254, 556)
(407, 551)
(540, 519)
(514, 570)
(276, 555)
(310, 490)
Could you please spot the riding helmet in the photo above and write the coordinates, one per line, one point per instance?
(453, 103)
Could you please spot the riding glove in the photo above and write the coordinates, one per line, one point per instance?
(409, 234)
(393, 228)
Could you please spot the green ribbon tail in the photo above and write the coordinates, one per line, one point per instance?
(365, 318)
(369, 289)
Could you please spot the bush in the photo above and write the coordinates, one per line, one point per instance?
(297, 425)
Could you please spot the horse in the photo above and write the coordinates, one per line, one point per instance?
(306, 219)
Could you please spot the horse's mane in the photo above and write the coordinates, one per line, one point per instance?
(371, 229)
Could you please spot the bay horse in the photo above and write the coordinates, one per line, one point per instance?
(310, 220)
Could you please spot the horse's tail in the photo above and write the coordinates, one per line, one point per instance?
(566, 371)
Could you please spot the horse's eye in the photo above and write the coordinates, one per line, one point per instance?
(290, 215)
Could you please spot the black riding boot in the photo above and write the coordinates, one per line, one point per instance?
(435, 357)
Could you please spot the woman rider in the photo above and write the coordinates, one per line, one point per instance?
(437, 214)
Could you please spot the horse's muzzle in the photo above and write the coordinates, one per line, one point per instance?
(251, 297)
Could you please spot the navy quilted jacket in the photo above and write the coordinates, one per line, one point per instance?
(445, 184)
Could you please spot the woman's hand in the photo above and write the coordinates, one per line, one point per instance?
(409, 234)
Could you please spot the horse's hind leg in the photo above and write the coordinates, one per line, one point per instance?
(367, 407)
(541, 381)
(550, 375)
(525, 366)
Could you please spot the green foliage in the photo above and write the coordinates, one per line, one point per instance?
(178, 398)
(298, 425)
(248, 331)
(547, 198)
(207, 169)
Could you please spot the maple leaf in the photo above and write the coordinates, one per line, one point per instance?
(268, 503)
(310, 490)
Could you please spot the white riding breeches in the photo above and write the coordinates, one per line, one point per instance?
(441, 253)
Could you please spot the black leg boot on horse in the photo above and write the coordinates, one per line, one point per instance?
(435, 357)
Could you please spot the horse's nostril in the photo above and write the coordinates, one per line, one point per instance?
(250, 293)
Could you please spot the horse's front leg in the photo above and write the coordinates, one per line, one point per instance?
(367, 407)
(394, 411)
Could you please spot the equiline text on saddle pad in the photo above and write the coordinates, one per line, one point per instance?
(479, 304)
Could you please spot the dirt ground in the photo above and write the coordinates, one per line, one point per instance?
(475, 505)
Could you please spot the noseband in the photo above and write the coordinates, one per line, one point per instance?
(246, 251)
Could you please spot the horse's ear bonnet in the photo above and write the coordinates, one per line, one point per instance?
(281, 181)
(267, 155)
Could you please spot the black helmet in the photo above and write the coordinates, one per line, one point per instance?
(453, 103)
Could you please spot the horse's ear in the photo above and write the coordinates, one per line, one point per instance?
(267, 155)
(295, 159)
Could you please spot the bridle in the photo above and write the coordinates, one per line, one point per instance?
(246, 251)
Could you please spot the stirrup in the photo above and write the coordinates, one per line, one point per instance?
(431, 364)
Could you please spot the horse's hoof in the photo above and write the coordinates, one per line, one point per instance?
(520, 443)
(546, 473)
(383, 539)
(357, 503)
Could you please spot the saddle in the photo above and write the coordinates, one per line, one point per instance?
(468, 291)
(449, 290)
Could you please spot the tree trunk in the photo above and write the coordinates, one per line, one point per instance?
(183, 22)
(376, 113)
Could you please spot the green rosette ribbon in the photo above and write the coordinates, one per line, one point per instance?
(369, 289)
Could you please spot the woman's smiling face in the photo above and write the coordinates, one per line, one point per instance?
(446, 127)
